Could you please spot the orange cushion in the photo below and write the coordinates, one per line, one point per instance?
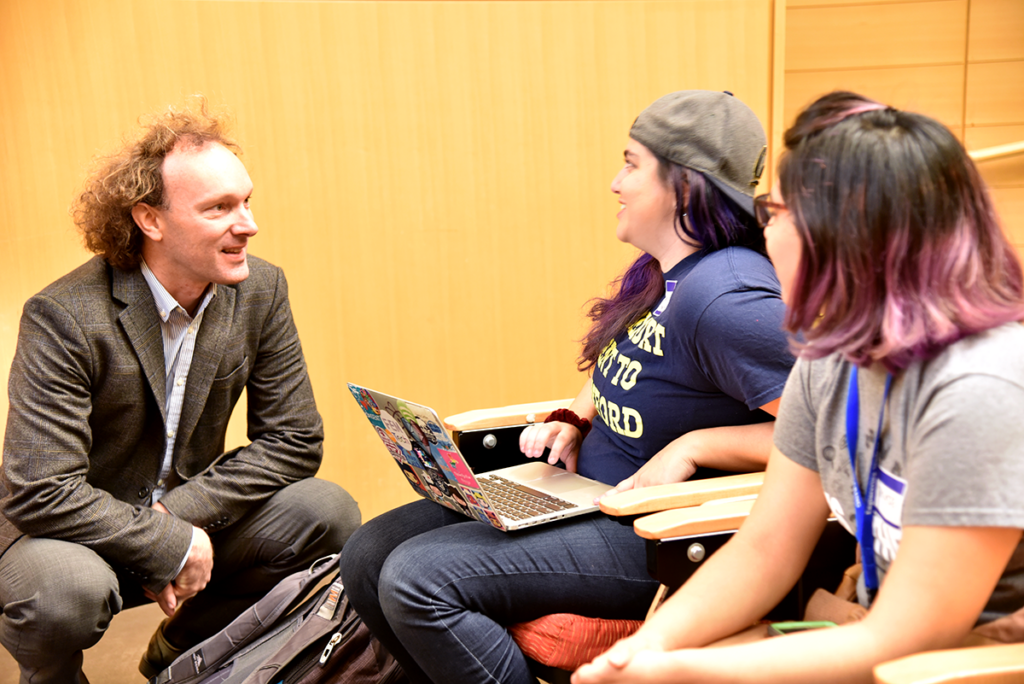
(567, 641)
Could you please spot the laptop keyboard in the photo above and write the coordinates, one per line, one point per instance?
(518, 502)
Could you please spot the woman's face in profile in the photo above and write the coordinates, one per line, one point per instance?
(784, 245)
(648, 205)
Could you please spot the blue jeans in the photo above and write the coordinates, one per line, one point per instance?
(438, 589)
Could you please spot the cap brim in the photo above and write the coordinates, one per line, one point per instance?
(740, 199)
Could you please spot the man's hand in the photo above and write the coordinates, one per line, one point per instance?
(194, 575)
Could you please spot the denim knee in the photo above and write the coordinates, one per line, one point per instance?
(408, 588)
(360, 562)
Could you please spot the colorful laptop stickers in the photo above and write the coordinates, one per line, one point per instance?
(430, 461)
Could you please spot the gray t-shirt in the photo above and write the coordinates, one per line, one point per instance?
(952, 448)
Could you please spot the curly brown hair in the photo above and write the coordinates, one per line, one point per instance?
(133, 175)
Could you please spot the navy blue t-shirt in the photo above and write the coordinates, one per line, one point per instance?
(709, 355)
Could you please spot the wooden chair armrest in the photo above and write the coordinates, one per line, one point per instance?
(517, 414)
(715, 516)
(681, 494)
(1000, 664)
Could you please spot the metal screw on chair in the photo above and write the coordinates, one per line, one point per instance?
(695, 553)
(490, 441)
(531, 417)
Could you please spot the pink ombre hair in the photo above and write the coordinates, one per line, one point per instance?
(902, 250)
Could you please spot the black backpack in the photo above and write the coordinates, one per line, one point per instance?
(286, 637)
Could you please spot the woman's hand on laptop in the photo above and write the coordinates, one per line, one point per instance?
(563, 440)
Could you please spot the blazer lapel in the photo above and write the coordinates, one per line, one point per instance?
(213, 335)
(142, 325)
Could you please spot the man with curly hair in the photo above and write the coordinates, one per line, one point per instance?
(115, 487)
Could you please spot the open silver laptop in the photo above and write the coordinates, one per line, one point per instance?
(509, 499)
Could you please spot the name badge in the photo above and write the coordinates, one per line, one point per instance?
(887, 524)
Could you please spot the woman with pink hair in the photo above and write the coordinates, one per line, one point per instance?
(901, 417)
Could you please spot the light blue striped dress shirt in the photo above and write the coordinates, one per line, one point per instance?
(179, 331)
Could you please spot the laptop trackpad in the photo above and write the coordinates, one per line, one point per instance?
(547, 478)
(572, 488)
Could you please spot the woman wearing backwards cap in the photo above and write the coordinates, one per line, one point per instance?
(901, 417)
(687, 360)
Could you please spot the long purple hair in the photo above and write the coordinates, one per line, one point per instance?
(715, 222)
(902, 251)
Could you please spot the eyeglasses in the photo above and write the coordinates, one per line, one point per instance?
(765, 210)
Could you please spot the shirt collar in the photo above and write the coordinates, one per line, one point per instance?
(165, 303)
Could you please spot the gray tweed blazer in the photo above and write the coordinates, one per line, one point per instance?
(85, 432)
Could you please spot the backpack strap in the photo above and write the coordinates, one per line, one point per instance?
(252, 623)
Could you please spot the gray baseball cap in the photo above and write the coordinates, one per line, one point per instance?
(710, 132)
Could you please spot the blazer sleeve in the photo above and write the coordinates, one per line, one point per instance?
(46, 455)
(284, 426)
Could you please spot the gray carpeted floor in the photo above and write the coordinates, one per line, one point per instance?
(115, 660)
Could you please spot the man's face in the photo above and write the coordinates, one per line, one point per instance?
(206, 224)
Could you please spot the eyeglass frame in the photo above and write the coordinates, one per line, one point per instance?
(765, 209)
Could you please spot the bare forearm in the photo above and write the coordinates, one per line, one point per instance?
(841, 655)
(709, 607)
(914, 612)
(744, 579)
(738, 448)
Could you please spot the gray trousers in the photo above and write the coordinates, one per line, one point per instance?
(57, 598)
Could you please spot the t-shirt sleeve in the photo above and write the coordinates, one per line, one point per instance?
(795, 425)
(968, 468)
(741, 346)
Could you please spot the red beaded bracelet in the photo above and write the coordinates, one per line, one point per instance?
(567, 416)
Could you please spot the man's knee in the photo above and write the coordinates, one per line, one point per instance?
(76, 610)
(325, 508)
(346, 515)
(56, 593)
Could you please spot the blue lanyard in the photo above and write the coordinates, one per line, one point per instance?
(864, 504)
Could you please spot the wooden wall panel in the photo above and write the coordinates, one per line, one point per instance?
(909, 54)
(994, 103)
(833, 3)
(960, 62)
(934, 90)
(777, 121)
(856, 36)
(432, 176)
(996, 30)
(1005, 172)
(1005, 176)
(1009, 203)
(995, 93)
